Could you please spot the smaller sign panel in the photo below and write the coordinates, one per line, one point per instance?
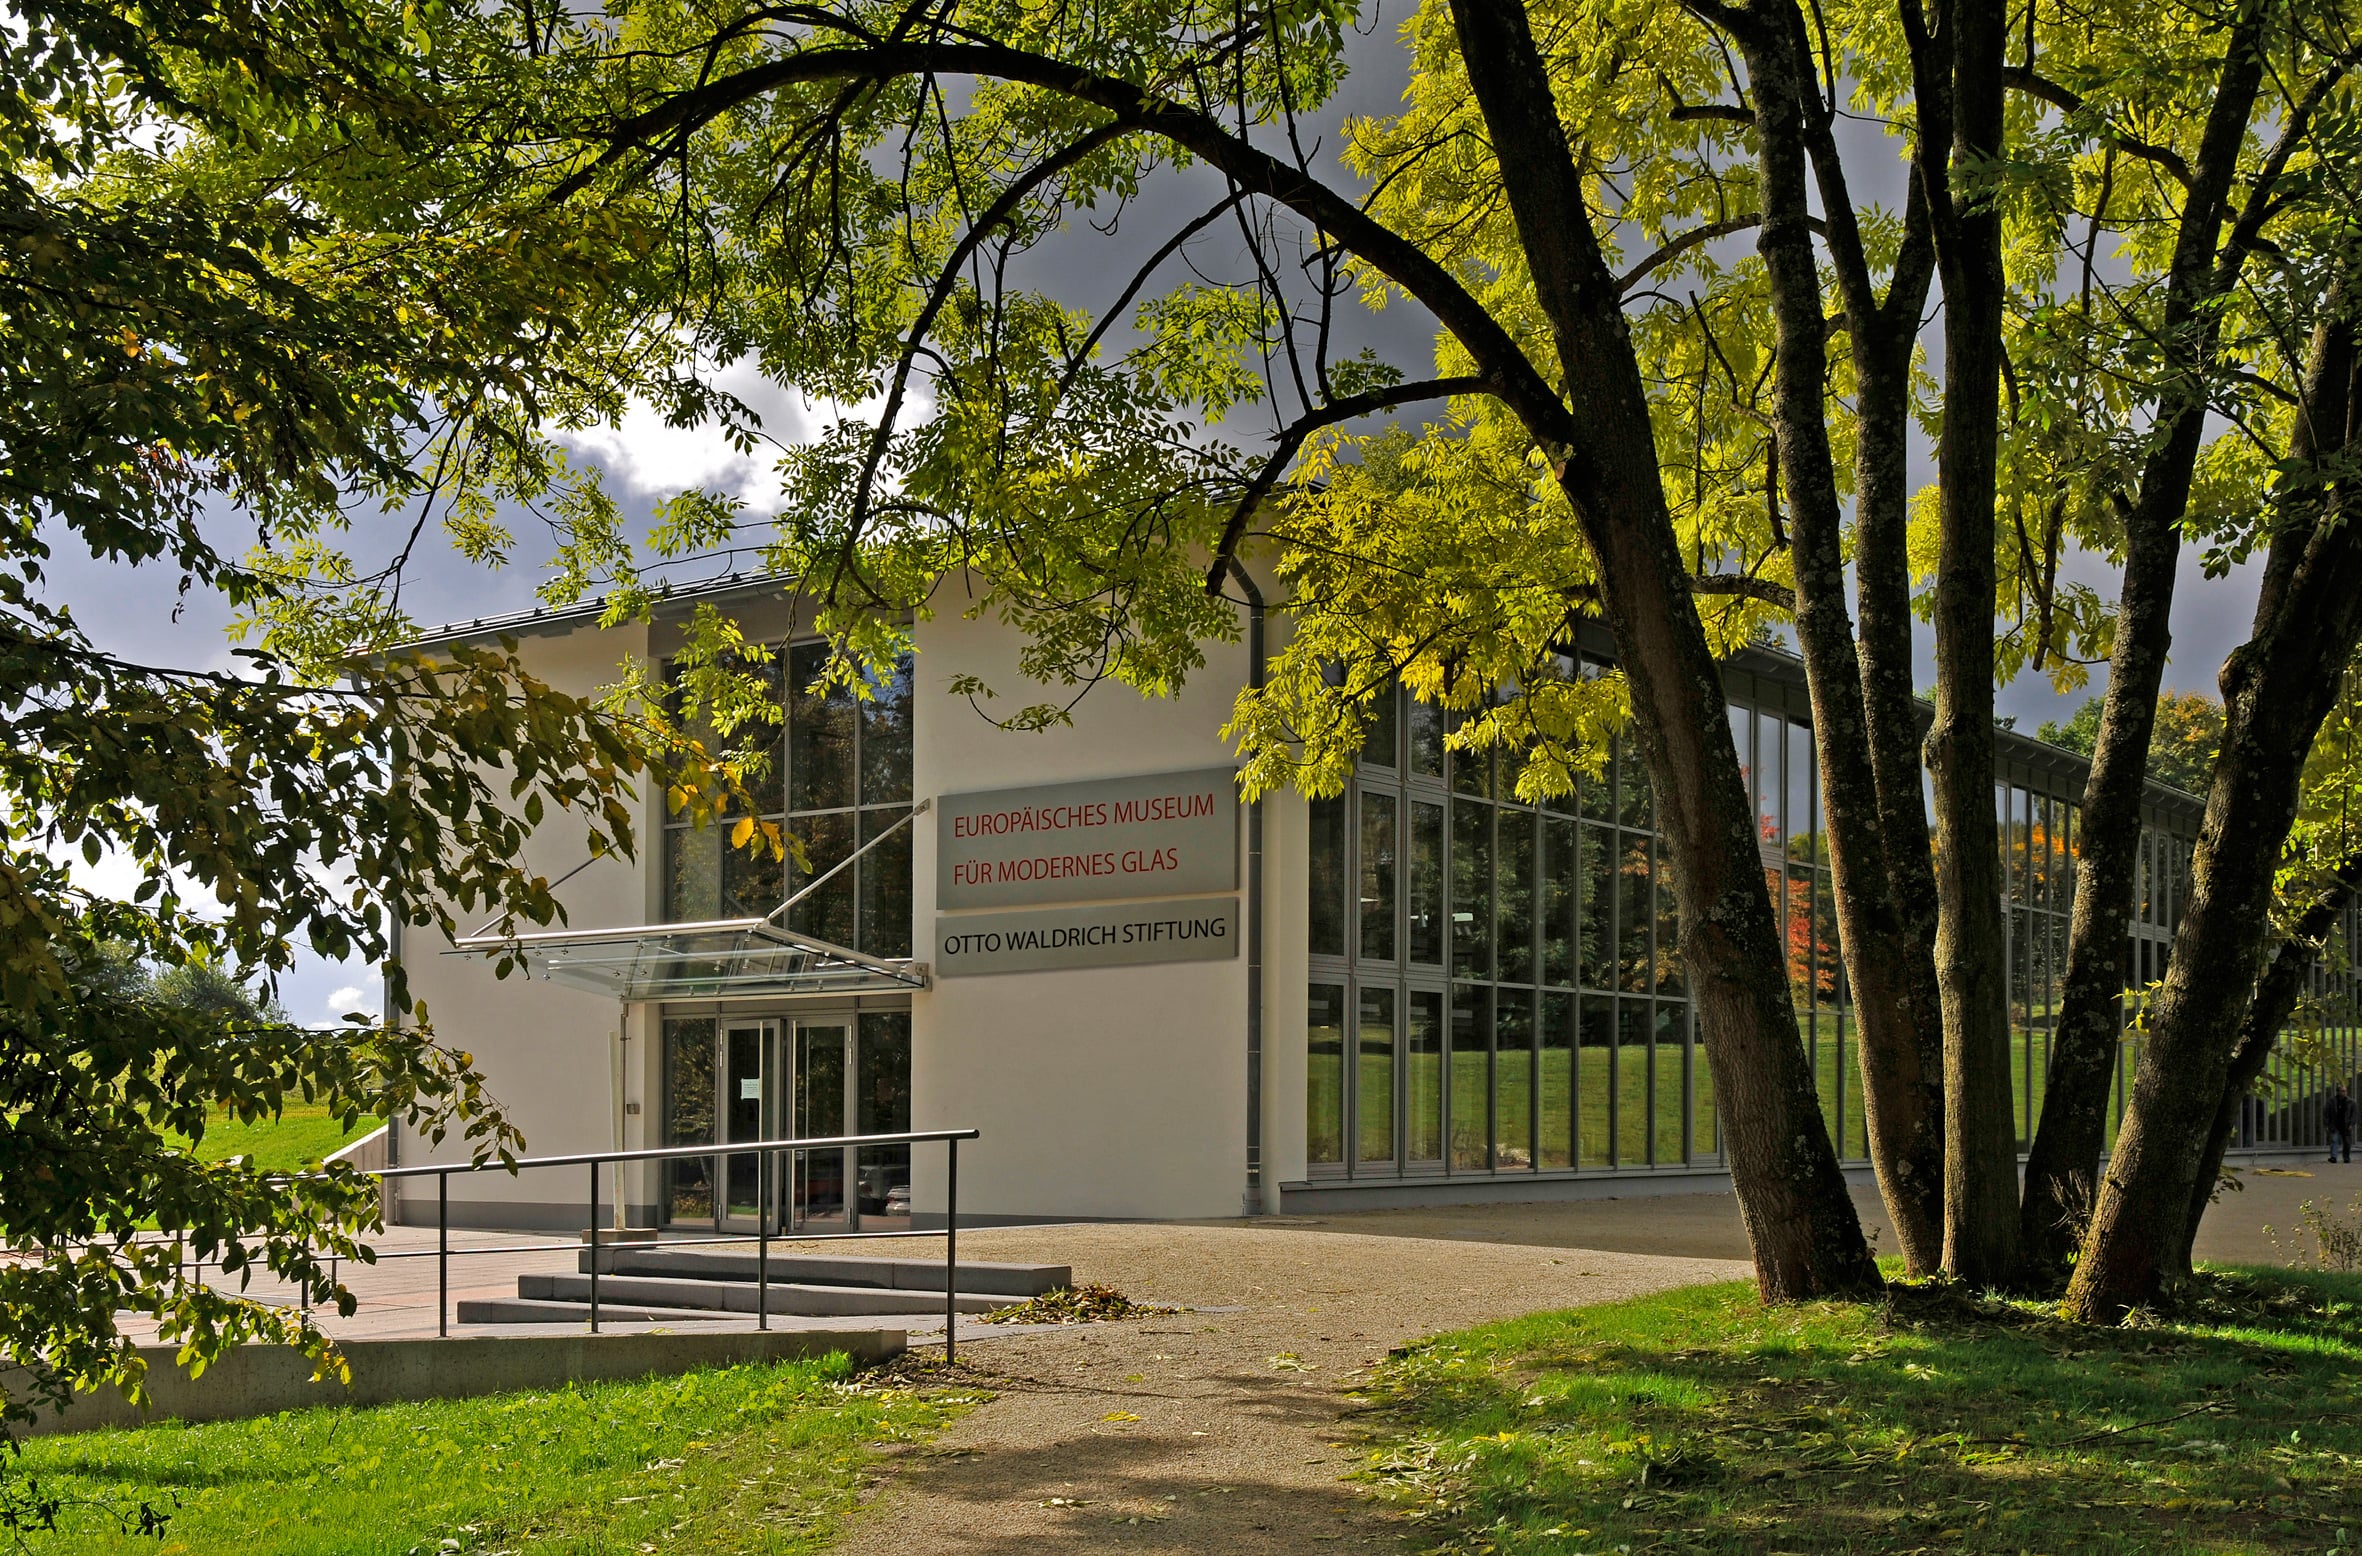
(1199, 929)
(1158, 835)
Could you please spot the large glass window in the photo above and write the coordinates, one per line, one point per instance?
(1565, 1039)
(1324, 1076)
(840, 776)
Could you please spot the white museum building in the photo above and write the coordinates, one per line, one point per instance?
(1152, 1000)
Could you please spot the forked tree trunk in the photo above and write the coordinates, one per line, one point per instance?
(2283, 983)
(1958, 81)
(1890, 970)
(2277, 689)
(1792, 1197)
(2065, 1156)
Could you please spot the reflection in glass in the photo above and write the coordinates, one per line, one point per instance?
(1472, 891)
(1425, 917)
(1514, 894)
(1325, 913)
(1513, 1081)
(1379, 731)
(1599, 909)
(1425, 721)
(819, 1114)
(689, 1116)
(1635, 913)
(885, 886)
(1471, 1060)
(693, 875)
(1561, 887)
(1632, 791)
(1423, 1084)
(1668, 927)
(1595, 1082)
(1554, 1129)
(742, 1114)
(1634, 1039)
(819, 736)
(881, 1106)
(1373, 1099)
(827, 914)
(1324, 1075)
(754, 880)
(1669, 1071)
(886, 738)
(1378, 868)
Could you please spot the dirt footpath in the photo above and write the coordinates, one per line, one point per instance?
(1216, 1429)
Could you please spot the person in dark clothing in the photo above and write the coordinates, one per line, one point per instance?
(2338, 1115)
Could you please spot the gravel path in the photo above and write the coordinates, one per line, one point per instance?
(1217, 1429)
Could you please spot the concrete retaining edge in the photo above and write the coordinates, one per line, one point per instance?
(261, 1380)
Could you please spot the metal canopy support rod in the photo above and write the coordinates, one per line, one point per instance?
(822, 879)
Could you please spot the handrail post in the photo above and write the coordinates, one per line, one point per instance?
(594, 1246)
(443, 1254)
(762, 1239)
(951, 1253)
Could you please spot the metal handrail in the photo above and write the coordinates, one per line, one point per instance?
(674, 1153)
(763, 1151)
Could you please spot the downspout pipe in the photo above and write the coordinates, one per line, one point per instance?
(1254, 1204)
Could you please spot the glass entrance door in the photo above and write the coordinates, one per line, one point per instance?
(818, 1111)
(748, 1052)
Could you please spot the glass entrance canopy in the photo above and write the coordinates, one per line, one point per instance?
(719, 959)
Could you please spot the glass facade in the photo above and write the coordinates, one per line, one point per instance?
(840, 776)
(1496, 988)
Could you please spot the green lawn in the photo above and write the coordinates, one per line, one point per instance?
(1700, 1421)
(744, 1459)
(301, 1136)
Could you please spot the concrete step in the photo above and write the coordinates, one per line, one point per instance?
(525, 1310)
(1006, 1280)
(734, 1296)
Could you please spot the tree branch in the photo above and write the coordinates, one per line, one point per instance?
(2038, 86)
(1674, 248)
(1770, 591)
(1503, 364)
(1291, 438)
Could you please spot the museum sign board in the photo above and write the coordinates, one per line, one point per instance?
(1087, 846)
(1157, 835)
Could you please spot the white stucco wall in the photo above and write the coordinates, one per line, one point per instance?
(546, 1050)
(1102, 1092)
(1107, 1092)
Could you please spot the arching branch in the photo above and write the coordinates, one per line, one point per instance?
(1507, 371)
(1291, 438)
(1674, 248)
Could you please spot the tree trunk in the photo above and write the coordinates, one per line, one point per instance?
(1958, 78)
(1800, 1220)
(2277, 689)
(1901, 1092)
(2275, 1000)
(2064, 1160)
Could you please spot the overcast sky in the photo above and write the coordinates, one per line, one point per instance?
(140, 613)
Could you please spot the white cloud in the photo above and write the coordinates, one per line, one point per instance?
(350, 998)
(651, 458)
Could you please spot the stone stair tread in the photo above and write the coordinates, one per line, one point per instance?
(738, 1296)
(528, 1310)
(983, 1276)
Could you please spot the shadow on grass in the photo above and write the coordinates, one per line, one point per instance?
(1699, 1420)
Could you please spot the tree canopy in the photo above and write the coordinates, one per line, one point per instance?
(1677, 385)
